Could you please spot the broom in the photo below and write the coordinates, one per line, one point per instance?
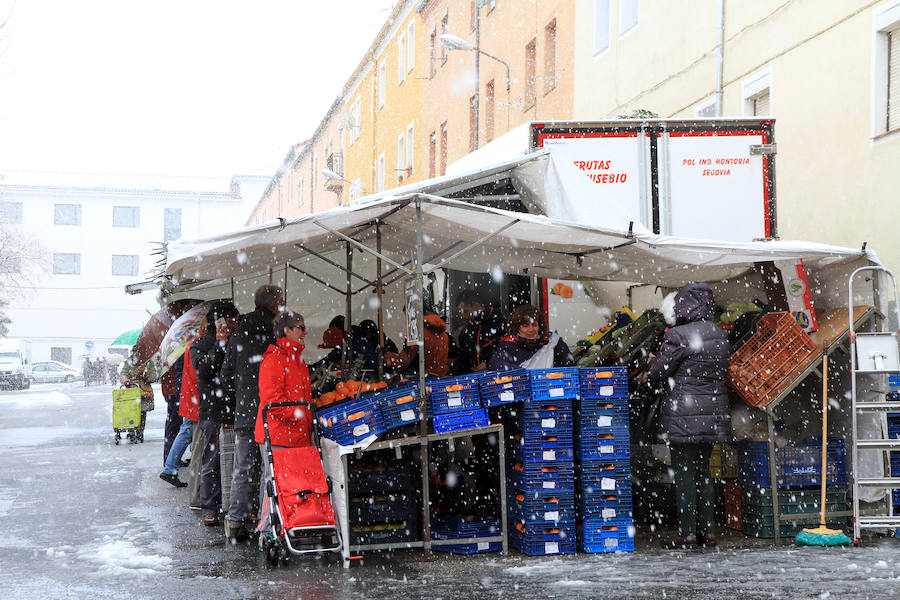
(821, 535)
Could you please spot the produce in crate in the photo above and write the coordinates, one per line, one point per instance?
(347, 389)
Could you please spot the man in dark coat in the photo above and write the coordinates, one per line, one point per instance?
(215, 397)
(481, 334)
(691, 365)
(241, 367)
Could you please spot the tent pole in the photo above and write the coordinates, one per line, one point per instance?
(379, 293)
(232, 289)
(348, 324)
(284, 289)
(420, 345)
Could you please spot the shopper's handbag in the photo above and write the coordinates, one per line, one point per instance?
(649, 418)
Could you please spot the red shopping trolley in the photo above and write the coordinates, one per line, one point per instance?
(298, 516)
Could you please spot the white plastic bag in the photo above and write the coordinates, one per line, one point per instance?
(543, 358)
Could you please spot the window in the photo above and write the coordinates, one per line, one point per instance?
(401, 58)
(530, 66)
(443, 147)
(125, 264)
(357, 118)
(382, 83)
(445, 28)
(126, 216)
(171, 224)
(410, 149)
(707, 109)
(489, 111)
(411, 47)
(432, 46)
(11, 213)
(61, 354)
(67, 214)
(886, 67)
(601, 26)
(432, 152)
(628, 15)
(66, 264)
(300, 191)
(356, 190)
(473, 140)
(756, 92)
(379, 173)
(401, 157)
(550, 56)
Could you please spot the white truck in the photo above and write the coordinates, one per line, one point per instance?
(15, 363)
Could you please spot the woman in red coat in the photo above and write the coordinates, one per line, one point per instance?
(284, 377)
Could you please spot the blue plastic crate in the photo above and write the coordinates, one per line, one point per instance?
(541, 508)
(455, 527)
(554, 384)
(895, 464)
(543, 476)
(895, 498)
(604, 418)
(458, 421)
(453, 394)
(504, 387)
(547, 417)
(349, 422)
(604, 445)
(399, 406)
(797, 465)
(612, 476)
(894, 380)
(543, 541)
(606, 506)
(607, 536)
(603, 382)
(546, 448)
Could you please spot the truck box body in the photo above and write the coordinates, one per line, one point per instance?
(15, 363)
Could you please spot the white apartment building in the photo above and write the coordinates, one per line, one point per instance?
(97, 234)
(827, 71)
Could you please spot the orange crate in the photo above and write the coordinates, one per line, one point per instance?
(758, 370)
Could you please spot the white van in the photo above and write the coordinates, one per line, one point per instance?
(15, 363)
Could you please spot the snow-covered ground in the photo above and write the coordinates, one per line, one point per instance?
(83, 518)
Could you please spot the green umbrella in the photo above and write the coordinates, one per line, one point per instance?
(129, 338)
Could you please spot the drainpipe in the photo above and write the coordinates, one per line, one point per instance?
(720, 59)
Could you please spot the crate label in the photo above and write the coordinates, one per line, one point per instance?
(549, 485)
(607, 483)
(551, 547)
(606, 390)
(549, 454)
(607, 449)
(507, 396)
(548, 423)
(407, 415)
(608, 513)
(556, 392)
(507, 386)
(604, 421)
(552, 515)
(611, 542)
(454, 400)
(360, 430)
(484, 545)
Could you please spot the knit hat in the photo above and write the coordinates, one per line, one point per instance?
(222, 309)
(332, 337)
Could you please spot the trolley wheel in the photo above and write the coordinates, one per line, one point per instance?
(284, 555)
(118, 438)
(272, 554)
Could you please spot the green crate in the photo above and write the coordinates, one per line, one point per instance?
(766, 512)
(765, 528)
(762, 496)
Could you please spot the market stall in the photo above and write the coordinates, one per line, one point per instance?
(382, 243)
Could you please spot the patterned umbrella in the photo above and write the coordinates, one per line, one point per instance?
(155, 330)
(179, 335)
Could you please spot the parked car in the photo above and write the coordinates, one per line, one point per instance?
(53, 371)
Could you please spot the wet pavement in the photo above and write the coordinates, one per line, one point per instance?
(83, 518)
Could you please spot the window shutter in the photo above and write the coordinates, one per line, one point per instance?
(761, 105)
(893, 107)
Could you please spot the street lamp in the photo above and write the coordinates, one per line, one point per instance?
(452, 42)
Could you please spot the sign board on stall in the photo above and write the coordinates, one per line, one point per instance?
(704, 178)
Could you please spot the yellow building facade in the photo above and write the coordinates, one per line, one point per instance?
(407, 110)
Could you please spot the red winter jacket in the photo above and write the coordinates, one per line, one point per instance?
(284, 377)
(189, 401)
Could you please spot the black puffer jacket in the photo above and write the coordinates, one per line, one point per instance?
(246, 347)
(216, 397)
(692, 364)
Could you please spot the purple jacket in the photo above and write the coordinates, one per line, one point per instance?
(513, 350)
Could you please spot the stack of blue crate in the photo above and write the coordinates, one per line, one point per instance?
(893, 423)
(542, 493)
(605, 505)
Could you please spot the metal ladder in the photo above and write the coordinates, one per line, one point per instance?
(873, 354)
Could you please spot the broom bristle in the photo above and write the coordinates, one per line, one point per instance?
(822, 536)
